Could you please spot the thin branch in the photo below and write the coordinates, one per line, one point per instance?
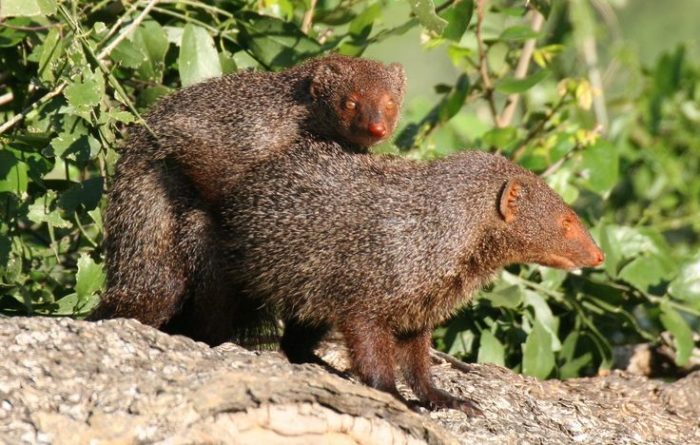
(483, 68)
(308, 18)
(590, 55)
(126, 31)
(45, 98)
(538, 128)
(537, 20)
(7, 98)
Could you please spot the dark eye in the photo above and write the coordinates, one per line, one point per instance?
(350, 104)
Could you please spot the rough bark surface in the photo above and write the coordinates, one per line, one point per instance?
(71, 382)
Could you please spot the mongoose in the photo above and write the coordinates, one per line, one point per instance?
(383, 249)
(161, 225)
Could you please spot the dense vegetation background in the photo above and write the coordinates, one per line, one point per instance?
(552, 85)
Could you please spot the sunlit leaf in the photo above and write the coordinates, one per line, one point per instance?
(511, 85)
(198, 57)
(425, 11)
(682, 334)
(491, 350)
(11, 8)
(686, 286)
(458, 17)
(89, 278)
(538, 357)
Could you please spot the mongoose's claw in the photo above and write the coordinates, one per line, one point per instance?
(440, 399)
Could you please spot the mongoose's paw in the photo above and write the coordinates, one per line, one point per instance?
(437, 399)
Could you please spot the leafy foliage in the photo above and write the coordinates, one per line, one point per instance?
(625, 152)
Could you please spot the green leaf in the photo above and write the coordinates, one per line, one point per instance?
(150, 37)
(40, 212)
(510, 85)
(500, 137)
(198, 57)
(90, 277)
(12, 8)
(361, 26)
(462, 343)
(682, 334)
(51, 52)
(86, 193)
(559, 181)
(71, 305)
(544, 315)
(686, 286)
(86, 94)
(458, 17)
(622, 243)
(508, 297)
(360, 29)
(601, 167)
(275, 43)
(518, 33)
(538, 357)
(128, 54)
(646, 271)
(491, 350)
(454, 101)
(13, 174)
(425, 12)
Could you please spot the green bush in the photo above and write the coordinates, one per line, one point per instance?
(74, 74)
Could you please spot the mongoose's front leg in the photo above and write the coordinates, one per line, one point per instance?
(372, 350)
(413, 352)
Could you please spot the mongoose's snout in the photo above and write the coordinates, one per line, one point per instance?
(377, 129)
(598, 256)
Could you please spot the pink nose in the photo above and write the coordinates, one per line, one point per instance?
(377, 129)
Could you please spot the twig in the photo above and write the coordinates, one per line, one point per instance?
(308, 17)
(457, 364)
(483, 68)
(45, 98)
(540, 125)
(6, 98)
(590, 55)
(537, 20)
(124, 34)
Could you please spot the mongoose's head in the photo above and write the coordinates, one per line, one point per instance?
(357, 101)
(544, 229)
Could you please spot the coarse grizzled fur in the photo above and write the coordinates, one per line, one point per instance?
(161, 225)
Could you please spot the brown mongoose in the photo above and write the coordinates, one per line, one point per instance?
(161, 230)
(383, 249)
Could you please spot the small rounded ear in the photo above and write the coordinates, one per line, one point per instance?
(508, 202)
(324, 74)
(399, 78)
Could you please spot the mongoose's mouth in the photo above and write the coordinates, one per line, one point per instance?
(562, 262)
(559, 262)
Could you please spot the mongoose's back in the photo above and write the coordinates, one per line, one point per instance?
(223, 125)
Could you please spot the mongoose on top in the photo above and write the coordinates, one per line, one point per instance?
(382, 249)
(161, 226)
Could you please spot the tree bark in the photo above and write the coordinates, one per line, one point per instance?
(71, 382)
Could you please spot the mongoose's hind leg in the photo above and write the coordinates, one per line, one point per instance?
(413, 353)
(300, 339)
